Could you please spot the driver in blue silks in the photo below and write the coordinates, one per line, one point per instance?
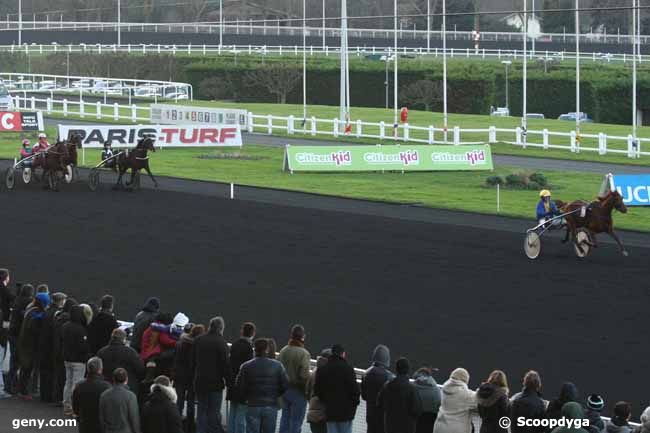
(546, 209)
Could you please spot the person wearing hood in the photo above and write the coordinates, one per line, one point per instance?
(118, 355)
(431, 398)
(158, 346)
(184, 370)
(101, 327)
(76, 352)
(400, 401)
(571, 411)
(159, 413)
(568, 392)
(493, 402)
(528, 404)
(373, 381)
(316, 414)
(619, 423)
(29, 338)
(595, 405)
(240, 352)
(20, 303)
(46, 362)
(85, 397)
(458, 403)
(142, 321)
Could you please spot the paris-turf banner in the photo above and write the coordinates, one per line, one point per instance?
(635, 188)
(165, 135)
(387, 158)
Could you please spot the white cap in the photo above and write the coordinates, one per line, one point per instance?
(180, 320)
(42, 135)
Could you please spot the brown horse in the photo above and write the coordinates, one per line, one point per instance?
(597, 218)
(59, 158)
(136, 160)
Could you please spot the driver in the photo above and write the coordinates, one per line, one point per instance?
(42, 144)
(108, 153)
(546, 209)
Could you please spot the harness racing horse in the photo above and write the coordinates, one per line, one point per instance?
(598, 218)
(59, 158)
(136, 160)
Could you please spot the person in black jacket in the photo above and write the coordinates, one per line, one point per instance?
(336, 386)
(528, 404)
(60, 318)
(118, 355)
(6, 300)
(184, 371)
(76, 352)
(46, 361)
(568, 392)
(240, 352)
(400, 401)
(212, 374)
(493, 402)
(373, 381)
(260, 382)
(85, 397)
(25, 297)
(142, 321)
(28, 340)
(159, 413)
(102, 325)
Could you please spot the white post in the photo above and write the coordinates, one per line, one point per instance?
(20, 22)
(99, 109)
(304, 65)
(498, 199)
(456, 135)
(635, 43)
(444, 69)
(395, 66)
(323, 24)
(119, 23)
(344, 92)
(220, 23)
(428, 26)
(134, 113)
(116, 111)
(525, 73)
(232, 191)
(577, 18)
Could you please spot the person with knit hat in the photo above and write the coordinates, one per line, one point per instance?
(458, 404)
(142, 320)
(400, 401)
(28, 340)
(595, 405)
(373, 381)
(431, 397)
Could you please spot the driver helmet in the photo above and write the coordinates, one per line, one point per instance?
(42, 135)
(25, 142)
(107, 144)
(544, 193)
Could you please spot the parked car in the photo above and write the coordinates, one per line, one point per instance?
(80, 84)
(501, 112)
(47, 85)
(146, 91)
(108, 87)
(534, 116)
(6, 103)
(584, 117)
(177, 96)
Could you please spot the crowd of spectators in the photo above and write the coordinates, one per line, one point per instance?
(171, 376)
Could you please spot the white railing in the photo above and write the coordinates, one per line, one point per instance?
(274, 27)
(601, 143)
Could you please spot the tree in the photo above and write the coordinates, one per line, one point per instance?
(277, 78)
(422, 93)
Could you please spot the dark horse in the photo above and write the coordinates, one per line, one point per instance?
(135, 160)
(597, 218)
(57, 161)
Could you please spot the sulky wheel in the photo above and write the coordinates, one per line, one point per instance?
(27, 175)
(93, 179)
(532, 245)
(68, 174)
(10, 178)
(582, 246)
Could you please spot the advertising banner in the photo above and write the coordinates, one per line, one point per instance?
(635, 188)
(94, 136)
(387, 158)
(181, 114)
(16, 121)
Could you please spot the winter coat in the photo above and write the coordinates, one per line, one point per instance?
(118, 411)
(429, 393)
(46, 343)
(493, 404)
(336, 387)
(401, 405)
(213, 371)
(261, 381)
(455, 414)
(100, 330)
(85, 402)
(530, 405)
(571, 411)
(142, 321)
(160, 413)
(372, 383)
(7, 298)
(645, 421)
(241, 351)
(596, 423)
(316, 409)
(154, 343)
(29, 338)
(184, 361)
(18, 314)
(119, 355)
(295, 360)
(568, 393)
(618, 425)
(75, 337)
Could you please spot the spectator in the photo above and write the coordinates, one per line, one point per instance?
(212, 374)
(46, 362)
(295, 359)
(6, 301)
(458, 402)
(493, 402)
(645, 421)
(528, 403)
(571, 411)
(75, 354)
(118, 407)
(159, 413)
(158, 345)
(29, 338)
(184, 371)
(142, 321)
(100, 329)
(60, 319)
(316, 416)
(118, 355)
(273, 348)
(240, 352)
(431, 398)
(85, 397)
(42, 288)
(373, 381)
(595, 405)
(400, 401)
(261, 381)
(568, 393)
(336, 387)
(25, 297)
(619, 423)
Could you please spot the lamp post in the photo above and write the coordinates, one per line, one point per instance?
(395, 70)
(507, 64)
(220, 23)
(577, 18)
(119, 23)
(20, 22)
(386, 59)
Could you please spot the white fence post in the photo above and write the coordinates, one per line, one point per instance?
(631, 147)
(65, 107)
(602, 144)
(518, 136)
(431, 134)
(33, 102)
(290, 125)
(98, 108)
(545, 138)
(492, 134)
(382, 130)
(313, 125)
(250, 122)
(269, 124)
(82, 109)
(49, 105)
(359, 128)
(406, 132)
(456, 135)
(336, 127)
(574, 142)
(134, 113)
(116, 111)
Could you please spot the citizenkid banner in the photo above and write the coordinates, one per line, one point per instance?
(635, 189)
(387, 158)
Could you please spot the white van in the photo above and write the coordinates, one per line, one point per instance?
(6, 103)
